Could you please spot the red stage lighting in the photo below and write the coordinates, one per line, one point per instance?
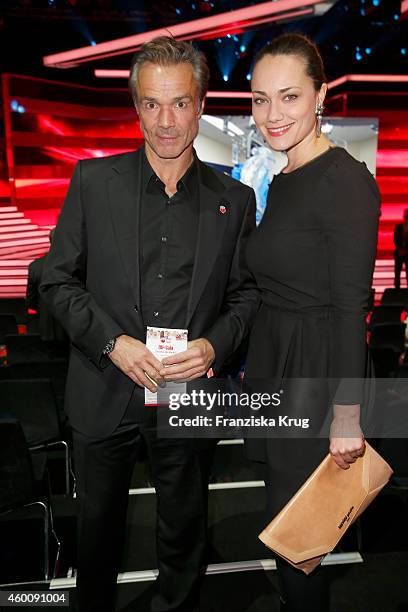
(230, 22)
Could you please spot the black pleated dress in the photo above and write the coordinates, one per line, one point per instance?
(313, 257)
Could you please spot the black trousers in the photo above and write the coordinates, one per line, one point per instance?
(180, 472)
(398, 263)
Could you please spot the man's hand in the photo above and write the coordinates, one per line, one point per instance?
(135, 360)
(190, 364)
(346, 438)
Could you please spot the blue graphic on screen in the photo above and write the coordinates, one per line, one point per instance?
(258, 172)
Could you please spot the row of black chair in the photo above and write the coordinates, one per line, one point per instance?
(32, 424)
(24, 484)
(32, 421)
(34, 403)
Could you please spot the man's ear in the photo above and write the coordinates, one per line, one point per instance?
(201, 108)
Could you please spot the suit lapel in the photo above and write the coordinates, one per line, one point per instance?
(124, 203)
(213, 219)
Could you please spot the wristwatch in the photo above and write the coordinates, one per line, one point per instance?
(110, 345)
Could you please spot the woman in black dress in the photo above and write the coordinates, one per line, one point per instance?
(313, 256)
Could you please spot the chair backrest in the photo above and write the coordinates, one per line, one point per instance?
(34, 404)
(26, 348)
(395, 296)
(391, 336)
(16, 474)
(8, 325)
(386, 361)
(54, 370)
(384, 315)
(15, 306)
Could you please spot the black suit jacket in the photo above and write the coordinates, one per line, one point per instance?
(48, 327)
(91, 280)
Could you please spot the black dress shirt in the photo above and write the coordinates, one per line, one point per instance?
(168, 239)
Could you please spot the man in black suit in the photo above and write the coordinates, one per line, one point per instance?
(401, 250)
(154, 237)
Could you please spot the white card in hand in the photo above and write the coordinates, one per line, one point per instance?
(163, 342)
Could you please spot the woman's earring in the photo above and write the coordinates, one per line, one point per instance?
(319, 115)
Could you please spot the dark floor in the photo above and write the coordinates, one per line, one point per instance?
(379, 584)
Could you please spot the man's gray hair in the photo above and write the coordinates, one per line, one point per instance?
(167, 51)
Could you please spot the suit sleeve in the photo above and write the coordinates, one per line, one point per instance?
(63, 284)
(241, 300)
(350, 225)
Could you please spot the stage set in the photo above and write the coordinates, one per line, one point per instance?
(64, 98)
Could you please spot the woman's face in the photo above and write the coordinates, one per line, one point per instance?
(284, 100)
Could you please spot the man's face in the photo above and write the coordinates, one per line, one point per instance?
(169, 108)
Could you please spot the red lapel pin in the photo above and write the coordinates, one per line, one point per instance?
(223, 209)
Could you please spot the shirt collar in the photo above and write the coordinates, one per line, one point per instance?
(188, 180)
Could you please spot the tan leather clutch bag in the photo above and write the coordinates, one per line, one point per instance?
(317, 516)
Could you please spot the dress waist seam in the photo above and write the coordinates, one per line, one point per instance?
(308, 311)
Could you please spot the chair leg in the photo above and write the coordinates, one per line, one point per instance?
(46, 542)
(66, 466)
(59, 545)
(73, 476)
(68, 469)
(49, 523)
(46, 537)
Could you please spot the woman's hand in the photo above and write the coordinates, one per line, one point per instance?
(346, 438)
